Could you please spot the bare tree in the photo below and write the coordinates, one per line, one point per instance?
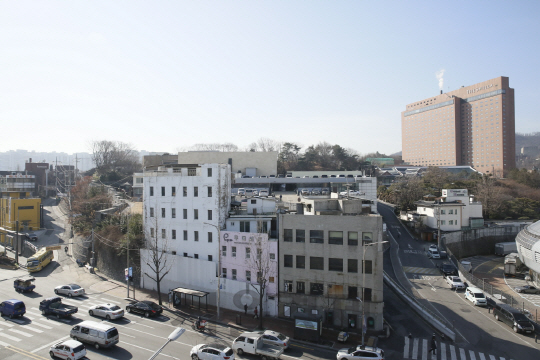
(114, 156)
(156, 256)
(225, 147)
(490, 194)
(261, 264)
(264, 145)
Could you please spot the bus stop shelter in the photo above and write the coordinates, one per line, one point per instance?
(178, 292)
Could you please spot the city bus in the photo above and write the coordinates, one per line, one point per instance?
(39, 260)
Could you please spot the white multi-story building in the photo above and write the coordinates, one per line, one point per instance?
(184, 207)
(455, 210)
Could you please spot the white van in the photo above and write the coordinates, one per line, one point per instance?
(98, 334)
(241, 191)
(263, 192)
(249, 192)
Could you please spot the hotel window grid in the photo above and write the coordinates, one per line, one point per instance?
(184, 191)
(163, 191)
(185, 235)
(209, 172)
(151, 232)
(151, 212)
(151, 191)
(288, 261)
(367, 238)
(244, 226)
(234, 274)
(196, 233)
(173, 191)
(192, 172)
(173, 213)
(209, 214)
(316, 236)
(196, 214)
(210, 237)
(195, 191)
(335, 264)
(209, 257)
(352, 265)
(233, 251)
(224, 272)
(248, 253)
(173, 234)
(316, 263)
(209, 191)
(368, 267)
(352, 238)
(300, 287)
(300, 236)
(224, 251)
(335, 237)
(248, 275)
(185, 213)
(162, 212)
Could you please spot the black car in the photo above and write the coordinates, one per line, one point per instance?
(31, 236)
(448, 270)
(513, 318)
(147, 308)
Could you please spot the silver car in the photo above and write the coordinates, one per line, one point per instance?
(69, 290)
(277, 339)
(106, 311)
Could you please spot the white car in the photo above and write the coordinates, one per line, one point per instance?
(255, 192)
(69, 349)
(433, 247)
(69, 290)
(360, 353)
(241, 191)
(211, 352)
(433, 254)
(350, 192)
(263, 193)
(476, 296)
(455, 282)
(275, 338)
(107, 311)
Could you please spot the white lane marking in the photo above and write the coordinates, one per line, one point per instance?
(128, 335)
(107, 300)
(443, 351)
(49, 344)
(16, 321)
(21, 332)
(462, 354)
(33, 313)
(406, 348)
(50, 322)
(41, 325)
(415, 349)
(492, 357)
(424, 349)
(4, 344)
(452, 352)
(26, 327)
(4, 335)
(5, 323)
(471, 353)
(482, 357)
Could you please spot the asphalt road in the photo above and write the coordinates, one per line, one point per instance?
(477, 329)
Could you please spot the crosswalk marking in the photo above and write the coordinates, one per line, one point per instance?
(5, 323)
(6, 336)
(462, 354)
(420, 270)
(492, 357)
(3, 344)
(42, 325)
(20, 322)
(21, 332)
(33, 329)
(452, 352)
(406, 348)
(415, 349)
(424, 349)
(107, 300)
(443, 351)
(482, 357)
(471, 353)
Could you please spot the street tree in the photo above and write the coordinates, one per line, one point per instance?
(114, 158)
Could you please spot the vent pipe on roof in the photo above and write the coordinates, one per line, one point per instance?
(441, 92)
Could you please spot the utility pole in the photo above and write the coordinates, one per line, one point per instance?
(17, 241)
(92, 259)
(127, 251)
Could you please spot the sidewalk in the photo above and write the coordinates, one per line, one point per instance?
(228, 318)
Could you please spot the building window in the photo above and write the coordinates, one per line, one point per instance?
(209, 257)
(300, 287)
(234, 274)
(335, 237)
(316, 263)
(244, 226)
(210, 239)
(316, 289)
(451, 212)
(248, 275)
(224, 251)
(300, 236)
(287, 235)
(163, 191)
(185, 254)
(248, 253)
(209, 214)
(335, 264)
(209, 191)
(288, 261)
(209, 172)
(233, 251)
(224, 273)
(300, 262)
(151, 232)
(151, 191)
(151, 212)
(271, 279)
(184, 191)
(443, 222)
(195, 191)
(174, 234)
(367, 238)
(196, 233)
(287, 286)
(191, 172)
(368, 267)
(162, 212)
(443, 212)
(352, 238)
(352, 265)
(185, 214)
(316, 236)
(173, 213)
(272, 256)
(185, 235)
(366, 294)
(263, 227)
(196, 214)
(173, 191)
(456, 212)
(353, 292)
(451, 222)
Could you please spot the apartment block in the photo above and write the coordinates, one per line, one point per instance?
(474, 125)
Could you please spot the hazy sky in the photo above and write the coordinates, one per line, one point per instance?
(164, 75)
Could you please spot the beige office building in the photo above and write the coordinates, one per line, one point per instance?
(474, 125)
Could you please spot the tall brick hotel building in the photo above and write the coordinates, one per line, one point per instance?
(474, 125)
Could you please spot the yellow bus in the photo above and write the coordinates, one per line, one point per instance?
(39, 260)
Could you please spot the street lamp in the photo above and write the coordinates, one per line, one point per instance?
(219, 264)
(364, 330)
(172, 337)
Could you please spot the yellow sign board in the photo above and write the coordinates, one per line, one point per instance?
(58, 247)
